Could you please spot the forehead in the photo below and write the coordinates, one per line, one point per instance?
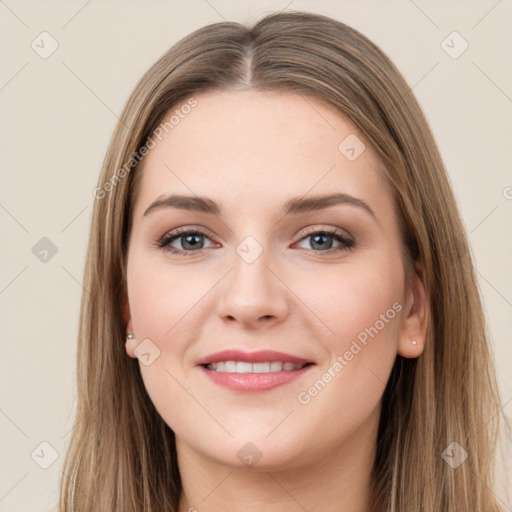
(258, 146)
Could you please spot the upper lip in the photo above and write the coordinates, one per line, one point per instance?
(260, 356)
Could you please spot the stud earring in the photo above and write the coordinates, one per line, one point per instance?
(130, 336)
(413, 342)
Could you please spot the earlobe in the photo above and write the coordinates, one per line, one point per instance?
(413, 329)
(131, 342)
(131, 345)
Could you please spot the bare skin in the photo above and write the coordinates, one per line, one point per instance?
(251, 152)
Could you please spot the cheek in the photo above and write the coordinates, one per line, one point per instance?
(362, 308)
(357, 299)
(164, 305)
(162, 299)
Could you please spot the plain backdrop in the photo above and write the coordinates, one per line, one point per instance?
(58, 113)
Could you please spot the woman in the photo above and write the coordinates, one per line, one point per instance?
(325, 347)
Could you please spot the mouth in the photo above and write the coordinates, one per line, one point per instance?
(253, 371)
(245, 367)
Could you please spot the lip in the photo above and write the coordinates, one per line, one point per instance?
(259, 356)
(253, 382)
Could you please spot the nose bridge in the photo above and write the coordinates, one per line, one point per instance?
(252, 293)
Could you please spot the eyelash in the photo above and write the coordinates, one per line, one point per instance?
(165, 241)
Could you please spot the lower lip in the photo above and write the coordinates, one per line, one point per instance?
(254, 382)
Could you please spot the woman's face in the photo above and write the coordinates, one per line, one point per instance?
(271, 266)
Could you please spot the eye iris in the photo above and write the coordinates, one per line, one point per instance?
(321, 245)
(187, 240)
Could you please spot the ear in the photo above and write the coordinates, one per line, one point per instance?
(130, 345)
(413, 328)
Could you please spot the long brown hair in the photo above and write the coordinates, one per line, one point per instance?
(122, 455)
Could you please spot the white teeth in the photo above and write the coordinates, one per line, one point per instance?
(276, 366)
(261, 367)
(230, 366)
(244, 367)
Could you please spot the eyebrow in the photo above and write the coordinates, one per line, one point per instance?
(293, 206)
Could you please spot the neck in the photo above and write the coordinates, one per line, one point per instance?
(336, 481)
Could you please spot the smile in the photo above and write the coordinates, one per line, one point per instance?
(250, 372)
(245, 367)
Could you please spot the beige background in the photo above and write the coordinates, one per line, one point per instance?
(58, 114)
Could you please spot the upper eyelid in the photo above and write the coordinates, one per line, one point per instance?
(310, 230)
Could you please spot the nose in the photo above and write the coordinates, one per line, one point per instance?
(253, 295)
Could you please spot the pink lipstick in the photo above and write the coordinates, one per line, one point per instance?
(253, 371)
